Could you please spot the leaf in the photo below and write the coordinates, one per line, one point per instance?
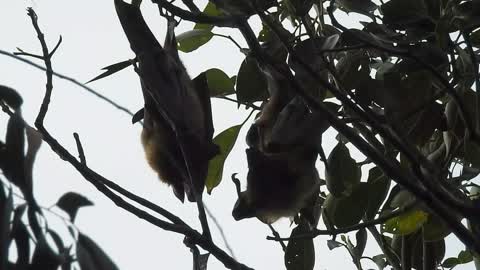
(361, 242)
(332, 244)
(89, 253)
(44, 257)
(70, 202)
(407, 223)
(353, 69)
(21, 237)
(6, 210)
(211, 10)
(11, 97)
(450, 262)
(251, 82)
(435, 248)
(301, 7)
(63, 251)
(378, 187)
(13, 156)
(219, 83)
(475, 38)
(400, 13)
(265, 35)
(365, 7)
(435, 228)
(380, 261)
(225, 140)
(22, 242)
(191, 40)
(348, 210)
(342, 172)
(300, 253)
(114, 68)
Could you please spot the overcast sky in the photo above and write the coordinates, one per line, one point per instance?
(92, 39)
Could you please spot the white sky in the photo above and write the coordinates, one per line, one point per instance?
(92, 39)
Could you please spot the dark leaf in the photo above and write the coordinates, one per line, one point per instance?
(21, 237)
(6, 210)
(347, 210)
(342, 172)
(92, 254)
(436, 249)
(435, 228)
(11, 97)
(13, 159)
(380, 261)
(225, 140)
(365, 7)
(353, 69)
(300, 253)
(114, 68)
(450, 262)
(465, 256)
(332, 244)
(193, 39)
(70, 202)
(378, 186)
(219, 83)
(361, 242)
(211, 10)
(403, 13)
(251, 82)
(475, 38)
(301, 7)
(44, 258)
(64, 251)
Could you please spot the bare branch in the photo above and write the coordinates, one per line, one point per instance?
(72, 80)
(101, 183)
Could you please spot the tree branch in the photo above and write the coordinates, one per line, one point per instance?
(101, 183)
(72, 80)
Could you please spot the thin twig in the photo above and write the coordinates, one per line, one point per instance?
(277, 235)
(81, 153)
(72, 80)
(348, 229)
(101, 183)
(220, 229)
(230, 38)
(197, 17)
(251, 105)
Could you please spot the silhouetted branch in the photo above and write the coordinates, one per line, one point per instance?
(101, 183)
(197, 17)
(72, 80)
(352, 228)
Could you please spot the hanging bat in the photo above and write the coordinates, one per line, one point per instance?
(177, 130)
(278, 185)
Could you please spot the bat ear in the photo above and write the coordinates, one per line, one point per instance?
(138, 116)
